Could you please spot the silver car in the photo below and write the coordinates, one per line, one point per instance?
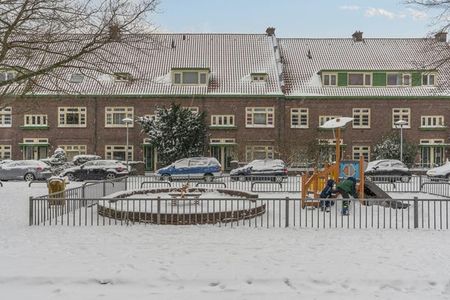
(27, 170)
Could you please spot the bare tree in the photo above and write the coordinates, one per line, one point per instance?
(440, 9)
(41, 38)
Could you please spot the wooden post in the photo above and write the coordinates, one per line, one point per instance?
(361, 177)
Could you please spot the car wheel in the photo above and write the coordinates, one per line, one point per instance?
(242, 178)
(405, 178)
(70, 176)
(166, 177)
(208, 177)
(110, 176)
(29, 177)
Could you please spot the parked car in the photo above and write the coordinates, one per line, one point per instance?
(440, 172)
(266, 169)
(27, 170)
(388, 170)
(96, 170)
(82, 158)
(192, 168)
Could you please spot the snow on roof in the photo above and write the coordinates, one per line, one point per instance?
(370, 55)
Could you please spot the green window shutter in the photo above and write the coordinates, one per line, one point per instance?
(379, 79)
(342, 79)
(416, 79)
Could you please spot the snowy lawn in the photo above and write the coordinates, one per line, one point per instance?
(205, 262)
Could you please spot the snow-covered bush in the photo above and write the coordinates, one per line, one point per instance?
(389, 148)
(175, 133)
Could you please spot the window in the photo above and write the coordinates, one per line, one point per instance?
(72, 150)
(193, 109)
(260, 116)
(35, 148)
(259, 77)
(359, 79)
(361, 118)
(72, 117)
(118, 152)
(223, 141)
(323, 119)
(5, 152)
(329, 79)
(76, 78)
(150, 117)
(401, 114)
(428, 79)
(7, 75)
(398, 79)
(432, 152)
(35, 120)
(114, 116)
(222, 120)
(6, 117)
(259, 152)
(123, 76)
(432, 121)
(190, 77)
(359, 151)
(299, 118)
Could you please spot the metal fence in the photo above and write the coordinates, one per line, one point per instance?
(93, 203)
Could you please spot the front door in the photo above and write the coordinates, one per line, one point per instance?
(224, 154)
(149, 158)
(35, 152)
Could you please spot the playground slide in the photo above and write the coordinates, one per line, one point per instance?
(372, 191)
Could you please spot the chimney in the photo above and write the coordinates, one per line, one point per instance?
(270, 31)
(441, 36)
(357, 36)
(114, 32)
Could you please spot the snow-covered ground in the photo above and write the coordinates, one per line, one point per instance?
(206, 262)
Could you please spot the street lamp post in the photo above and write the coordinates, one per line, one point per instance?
(127, 121)
(401, 123)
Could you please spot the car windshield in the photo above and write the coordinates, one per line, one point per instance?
(398, 165)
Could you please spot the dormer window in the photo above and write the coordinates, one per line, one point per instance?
(429, 79)
(190, 76)
(398, 79)
(7, 75)
(76, 78)
(329, 79)
(123, 76)
(259, 77)
(360, 79)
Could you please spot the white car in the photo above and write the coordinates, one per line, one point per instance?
(388, 170)
(440, 172)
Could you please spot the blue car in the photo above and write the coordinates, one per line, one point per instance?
(192, 168)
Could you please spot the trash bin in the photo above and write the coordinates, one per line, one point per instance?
(56, 187)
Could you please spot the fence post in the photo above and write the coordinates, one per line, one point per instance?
(126, 183)
(287, 211)
(158, 216)
(104, 188)
(31, 210)
(416, 212)
(82, 191)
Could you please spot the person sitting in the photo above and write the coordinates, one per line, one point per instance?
(326, 193)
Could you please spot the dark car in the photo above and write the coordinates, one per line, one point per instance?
(388, 170)
(261, 169)
(96, 170)
(27, 170)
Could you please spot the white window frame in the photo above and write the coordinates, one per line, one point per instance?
(323, 119)
(151, 117)
(222, 120)
(123, 77)
(250, 117)
(250, 151)
(426, 79)
(357, 151)
(361, 112)
(180, 74)
(364, 74)
(6, 117)
(299, 117)
(109, 116)
(402, 114)
(5, 152)
(327, 76)
(432, 121)
(193, 109)
(402, 79)
(8, 75)
(35, 120)
(63, 111)
(259, 77)
(227, 141)
(74, 150)
(110, 149)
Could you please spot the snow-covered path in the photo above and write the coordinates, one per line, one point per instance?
(202, 262)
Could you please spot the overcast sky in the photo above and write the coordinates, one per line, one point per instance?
(296, 18)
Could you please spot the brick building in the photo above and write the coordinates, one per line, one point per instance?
(264, 97)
